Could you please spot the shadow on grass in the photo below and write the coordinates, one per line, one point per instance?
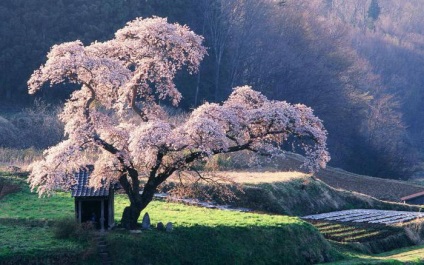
(25, 222)
(220, 245)
(33, 242)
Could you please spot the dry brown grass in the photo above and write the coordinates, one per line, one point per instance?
(240, 177)
(18, 157)
(262, 177)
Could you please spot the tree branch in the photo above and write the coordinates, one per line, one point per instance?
(135, 107)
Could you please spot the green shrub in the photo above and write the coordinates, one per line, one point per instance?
(8, 133)
(68, 228)
(65, 228)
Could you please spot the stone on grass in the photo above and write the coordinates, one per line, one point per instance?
(169, 227)
(145, 224)
(160, 226)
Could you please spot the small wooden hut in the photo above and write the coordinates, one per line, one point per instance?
(93, 205)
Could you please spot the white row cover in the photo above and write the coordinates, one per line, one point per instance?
(367, 216)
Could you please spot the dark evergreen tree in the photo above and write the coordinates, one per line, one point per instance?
(374, 10)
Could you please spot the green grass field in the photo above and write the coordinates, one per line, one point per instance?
(200, 236)
(29, 240)
(219, 237)
(26, 235)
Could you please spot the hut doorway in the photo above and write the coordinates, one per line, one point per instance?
(91, 211)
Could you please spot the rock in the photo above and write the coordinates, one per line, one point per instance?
(13, 169)
(146, 222)
(135, 231)
(160, 226)
(169, 227)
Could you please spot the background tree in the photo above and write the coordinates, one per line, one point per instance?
(115, 116)
(374, 10)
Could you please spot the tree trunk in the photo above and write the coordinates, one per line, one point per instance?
(138, 203)
(130, 217)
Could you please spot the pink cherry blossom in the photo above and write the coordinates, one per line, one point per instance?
(114, 122)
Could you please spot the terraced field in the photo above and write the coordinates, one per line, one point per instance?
(354, 233)
(368, 231)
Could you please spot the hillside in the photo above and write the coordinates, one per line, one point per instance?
(379, 188)
(284, 191)
(300, 194)
(383, 189)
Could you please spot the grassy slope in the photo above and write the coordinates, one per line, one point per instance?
(206, 236)
(25, 228)
(233, 237)
(411, 255)
(218, 236)
(299, 194)
(27, 205)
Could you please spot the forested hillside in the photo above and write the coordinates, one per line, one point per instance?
(358, 64)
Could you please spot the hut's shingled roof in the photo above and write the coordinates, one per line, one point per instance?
(81, 188)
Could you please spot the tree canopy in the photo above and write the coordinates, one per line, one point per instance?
(115, 122)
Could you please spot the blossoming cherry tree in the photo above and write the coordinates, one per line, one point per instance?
(114, 121)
